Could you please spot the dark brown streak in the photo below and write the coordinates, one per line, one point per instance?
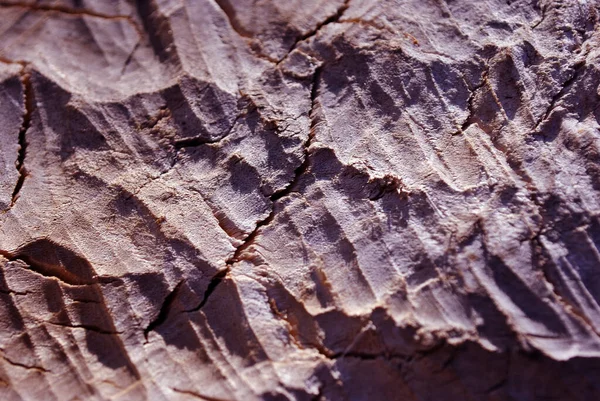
(46, 271)
(72, 11)
(21, 365)
(87, 327)
(196, 395)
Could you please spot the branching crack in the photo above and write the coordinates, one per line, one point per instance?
(331, 19)
(298, 172)
(473, 92)
(20, 163)
(543, 10)
(302, 169)
(577, 69)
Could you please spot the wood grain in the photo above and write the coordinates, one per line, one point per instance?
(301, 200)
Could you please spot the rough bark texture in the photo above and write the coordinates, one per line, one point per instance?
(300, 199)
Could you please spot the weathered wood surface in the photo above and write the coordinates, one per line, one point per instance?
(329, 200)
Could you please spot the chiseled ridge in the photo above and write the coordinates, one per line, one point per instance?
(435, 222)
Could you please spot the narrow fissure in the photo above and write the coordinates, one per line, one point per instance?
(332, 19)
(470, 119)
(163, 314)
(301, 170)
(193, 142)
(20, 163)
(577, 69)
(212, 286)
(543, 10)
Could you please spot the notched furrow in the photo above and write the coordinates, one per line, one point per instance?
(158, 31)
(202, 140)
(44, 270)
(55, 261)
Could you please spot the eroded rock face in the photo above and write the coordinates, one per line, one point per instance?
(219, 199)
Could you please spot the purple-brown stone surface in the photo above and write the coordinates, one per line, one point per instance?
(300, 200)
